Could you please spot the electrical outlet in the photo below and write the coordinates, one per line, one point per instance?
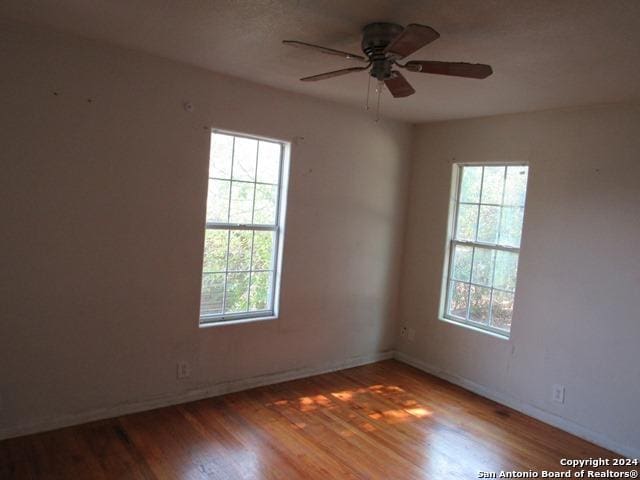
(404, 331)
(183, 370)
(557, 394)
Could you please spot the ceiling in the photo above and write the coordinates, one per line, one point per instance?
(545, 53)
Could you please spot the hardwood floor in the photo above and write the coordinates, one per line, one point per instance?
(381, 421)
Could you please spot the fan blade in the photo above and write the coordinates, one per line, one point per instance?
(398, 85)
(335, 73)
(456, 69)
(411, 39)
(330, 51)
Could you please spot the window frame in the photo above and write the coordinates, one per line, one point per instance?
(278, 228)
(451, 242)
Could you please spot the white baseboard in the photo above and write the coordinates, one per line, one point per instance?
(212, 390)
(523, 407)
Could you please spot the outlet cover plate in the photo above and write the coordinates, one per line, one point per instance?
(183, 370)
(557, 394)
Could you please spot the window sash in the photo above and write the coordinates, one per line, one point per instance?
(490, 246)
(273, 270)
(225, 317)
(241, 226)
(453, 242)
(275, 227)
(244, 181)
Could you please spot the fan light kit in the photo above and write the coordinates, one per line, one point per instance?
(386, 43)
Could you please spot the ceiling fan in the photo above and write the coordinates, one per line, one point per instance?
(386, 43)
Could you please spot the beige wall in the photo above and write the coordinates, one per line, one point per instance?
(576, 319)
(102, 208)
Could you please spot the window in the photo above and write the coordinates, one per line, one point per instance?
(244, 228)
(484, 245)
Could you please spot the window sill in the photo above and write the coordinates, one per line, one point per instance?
(469, 326)
(237, 321)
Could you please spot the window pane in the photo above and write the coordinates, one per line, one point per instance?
(483, 266)
(215, 250)
(240, 250)
(502, 309)
(237, 293)
(220, 156)
(470, 184)
(268, 162)
(462, 263)
(244, 159)
(218, 201)
(265, 207)
(492, 185)
(466, 224)
(516, 187)
(241, 202)
(506, 270)
(511, 226)
(212, 293)
(488, 224)
(458, 298)
(263, 250)
(479, 308)
(260, 291)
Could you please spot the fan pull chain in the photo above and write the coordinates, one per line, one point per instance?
(366, 107)
(379, 91)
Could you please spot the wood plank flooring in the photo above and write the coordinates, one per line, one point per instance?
(380, 421)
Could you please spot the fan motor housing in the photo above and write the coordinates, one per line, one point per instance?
(375, 38)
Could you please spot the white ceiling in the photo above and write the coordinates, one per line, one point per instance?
(545, 53)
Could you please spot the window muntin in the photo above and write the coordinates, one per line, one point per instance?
(243, 230)
(485, 245)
